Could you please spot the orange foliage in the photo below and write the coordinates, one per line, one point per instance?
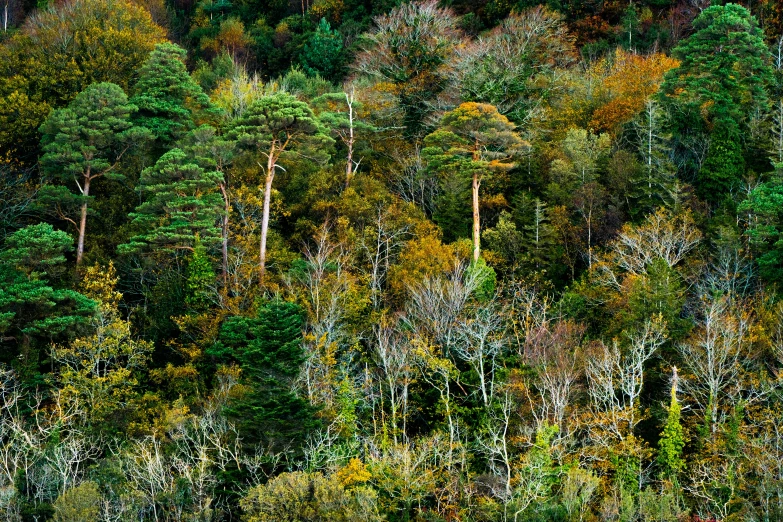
(631, 81)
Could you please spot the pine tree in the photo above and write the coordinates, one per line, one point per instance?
(168, 99)
(182, 203)
(271, 128)
(474, 142)
(35, 306)
(85, 142)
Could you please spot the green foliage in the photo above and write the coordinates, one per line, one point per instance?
(168, 99)
(34, 304)
(323, 53)
(722, 79)
(182, 205)
(89, 136)
(724, 167)
(78, 504)
(765, 203)
(484, 277)
(672, 441)
(62, 51)
(200, 275)
(268, 349)
(282, 123)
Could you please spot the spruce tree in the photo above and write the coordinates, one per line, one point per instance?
(268, 348)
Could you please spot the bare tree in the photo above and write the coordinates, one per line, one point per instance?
(713, 354)
(394, 357)
(480, 340)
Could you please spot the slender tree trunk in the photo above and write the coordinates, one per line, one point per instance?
(476, 220)
(349, 143)
(270, 176)
(224, 232)
(83, 221)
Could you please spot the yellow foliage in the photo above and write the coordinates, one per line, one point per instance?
(423, 256)
(632, 80)
(355, 472)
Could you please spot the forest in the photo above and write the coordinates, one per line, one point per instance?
(387, 260)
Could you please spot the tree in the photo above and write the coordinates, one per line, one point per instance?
(34, 305)
(168, 99)
(323, 53)
(655, 184)
(85, 142)
(721, 80)
(340, 116)
(515, 67)
(212, 151)
(765, 229)
(59, 52)
(182, 206)
(300, 497)
(276, 127)
(99, 372)
(672, 439)
(79, 503)
(473, 140)
(268, 349)
(413, 50)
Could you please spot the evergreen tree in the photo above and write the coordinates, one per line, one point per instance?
(725, 67)
(323, 53)
(35, 306)
(474, 142)
(200, 276)
(273, 127)
(168, 99)
(723, 168)
(765, 231)
(182, 204)
(85, 142)
(268, 349)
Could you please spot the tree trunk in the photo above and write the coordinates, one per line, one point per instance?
(224, 233)
(270, 176)
(476, 221)
(349, 162)
(83, 222)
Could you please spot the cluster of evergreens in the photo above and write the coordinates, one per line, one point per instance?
(345, 260)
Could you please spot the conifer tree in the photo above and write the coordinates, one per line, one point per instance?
(268, 349)
(323, 53)
(272, 128)
(168, 99)
(672, 439)
(35, 306)
(85, 142)
(474, 141)
(722, 79)
(182, 205)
